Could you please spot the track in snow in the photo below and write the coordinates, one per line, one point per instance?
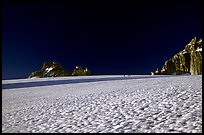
(134, 104)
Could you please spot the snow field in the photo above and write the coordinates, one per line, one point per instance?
(170, 104)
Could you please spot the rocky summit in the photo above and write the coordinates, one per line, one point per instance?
(187, 61)
(79, 71)
(54, 69)
(50, 69)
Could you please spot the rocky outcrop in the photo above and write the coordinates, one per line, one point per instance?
(79, 71)
(54, 69)
(50, 69)
(187, 61)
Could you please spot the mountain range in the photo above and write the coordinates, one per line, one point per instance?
(187, 61)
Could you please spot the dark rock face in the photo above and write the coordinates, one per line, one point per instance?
(50, 69)
(54, 69)
(79, 71)
(188, 61)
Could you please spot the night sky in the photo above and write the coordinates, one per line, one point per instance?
(133, 38)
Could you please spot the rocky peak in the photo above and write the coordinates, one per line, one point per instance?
(50, 69)
(79, 71)
(53, 65)
(54, 69)
(193, 45)
(189, 60)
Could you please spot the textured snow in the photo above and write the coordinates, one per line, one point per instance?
(121, 104)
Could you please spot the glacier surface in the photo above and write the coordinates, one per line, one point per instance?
(102, 104)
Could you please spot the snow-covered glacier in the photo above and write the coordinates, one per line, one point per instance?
(135, 104)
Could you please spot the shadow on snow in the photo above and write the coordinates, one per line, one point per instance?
(60, 82)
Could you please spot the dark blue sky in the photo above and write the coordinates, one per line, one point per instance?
(131, 38)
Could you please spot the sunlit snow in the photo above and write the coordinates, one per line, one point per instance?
(184, 51)
(102, 104)
(199, 49)
(48, 69)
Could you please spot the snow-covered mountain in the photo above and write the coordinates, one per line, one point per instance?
(101, 104)
(188, 60)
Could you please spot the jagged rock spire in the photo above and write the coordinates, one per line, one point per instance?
(188, 60)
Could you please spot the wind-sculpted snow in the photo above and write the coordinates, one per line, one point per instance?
(161, 104)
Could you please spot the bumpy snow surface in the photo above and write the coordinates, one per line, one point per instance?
(103, 104)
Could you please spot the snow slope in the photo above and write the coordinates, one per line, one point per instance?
(103, 104)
